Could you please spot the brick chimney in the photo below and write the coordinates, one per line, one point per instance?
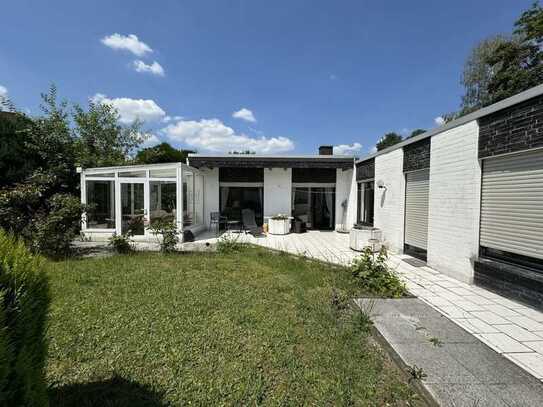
(326, 150)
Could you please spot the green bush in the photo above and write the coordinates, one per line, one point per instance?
(47, 223)
(56, 229)
(375, 276)
(121, 244)
(24, 301)
(166, 231)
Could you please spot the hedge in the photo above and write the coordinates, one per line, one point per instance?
(24, 302)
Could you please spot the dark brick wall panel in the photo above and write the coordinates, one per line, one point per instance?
(416, 156)
(516, 128)
(327, 175)
(365, 170)
(511, 281)
(229, 174)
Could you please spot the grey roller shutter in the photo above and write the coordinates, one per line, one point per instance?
(512, 204)
(417, 191)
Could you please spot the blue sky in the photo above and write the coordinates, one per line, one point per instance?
(307, 72)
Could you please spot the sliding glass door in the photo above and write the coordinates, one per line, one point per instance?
(235, 199)
(315, 206)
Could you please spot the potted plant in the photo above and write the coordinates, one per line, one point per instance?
(279, 224)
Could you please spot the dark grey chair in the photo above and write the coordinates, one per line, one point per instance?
(249, 222)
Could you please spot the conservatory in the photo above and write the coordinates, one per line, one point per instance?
(129, 199)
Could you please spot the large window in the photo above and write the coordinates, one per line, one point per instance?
(234, 199)
(188, 198)
(101, 204)
(365, 203)
(162, 200)
(315, 206)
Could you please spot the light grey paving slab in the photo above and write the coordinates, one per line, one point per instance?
(489, 317)
(459, 371)
(527, 323)
(503, 343)
(518, 333)
(475, 325)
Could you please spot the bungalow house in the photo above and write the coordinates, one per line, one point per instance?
(466, 197)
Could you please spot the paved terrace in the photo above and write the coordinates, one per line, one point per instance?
(508, 327)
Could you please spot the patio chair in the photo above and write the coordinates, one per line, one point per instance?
(249, 222)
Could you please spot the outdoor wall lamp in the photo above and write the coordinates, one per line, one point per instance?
(381, 185)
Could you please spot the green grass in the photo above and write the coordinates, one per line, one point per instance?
(248, 328)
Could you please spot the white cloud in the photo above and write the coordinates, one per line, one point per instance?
(439, 120)
(3, 91)
(214, 136)
(150, 140)
(129, 43)
(373, 150)
(244, 114)
(347, 149)
(132, 109)
(168, 119)
(155, 68)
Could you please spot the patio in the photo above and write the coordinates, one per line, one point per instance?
(508, 327)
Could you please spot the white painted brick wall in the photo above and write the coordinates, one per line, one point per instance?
(345, 192)
(277, 191)
(211, 192)
(389, 202)
(455, 182)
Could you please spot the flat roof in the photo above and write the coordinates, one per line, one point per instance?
(485, 111)
(271, 161)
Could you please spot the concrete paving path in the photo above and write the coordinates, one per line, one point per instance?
(459, 369)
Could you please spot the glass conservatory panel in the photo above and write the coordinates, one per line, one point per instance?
(164, 173)
(102, 175)
(101, 202)
(188, 198)
(162, 200)
(132, 174)
(132, 208)
(198, 200)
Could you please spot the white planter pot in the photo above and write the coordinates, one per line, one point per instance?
(366, 237)
(278, 226)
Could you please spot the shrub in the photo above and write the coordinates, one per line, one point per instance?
(24, 301)
(56, 229)
(121, 244)
(375, 276)
(165, 227)
(46, 222)
(228, 243)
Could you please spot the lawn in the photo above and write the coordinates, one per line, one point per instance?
(249, 328)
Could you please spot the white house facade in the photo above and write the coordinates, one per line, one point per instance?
(466, 197)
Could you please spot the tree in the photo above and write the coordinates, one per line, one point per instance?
(518, 64)
(99, 138)
(16, 162)
(478, 72)
(161, 153)
(388, 140)
(416, 132)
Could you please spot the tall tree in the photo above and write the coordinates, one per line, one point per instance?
(388, 140)
(99, 138)
(478, 72)
(518, 64)
(416, 132)
(161, 153)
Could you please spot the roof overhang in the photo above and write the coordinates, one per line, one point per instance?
(262, 161)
